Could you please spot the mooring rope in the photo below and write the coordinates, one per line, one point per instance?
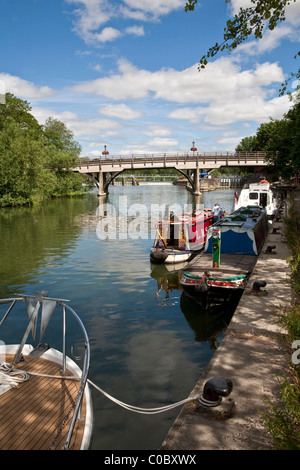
(12, 377)
(137, 409)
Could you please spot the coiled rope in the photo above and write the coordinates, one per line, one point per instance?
(12, 377)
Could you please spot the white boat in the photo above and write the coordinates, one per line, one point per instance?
(45, 400)
(258, 194)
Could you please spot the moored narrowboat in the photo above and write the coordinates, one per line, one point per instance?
(179, 237)
(231, 251)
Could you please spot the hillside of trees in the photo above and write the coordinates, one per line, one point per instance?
(34, 159)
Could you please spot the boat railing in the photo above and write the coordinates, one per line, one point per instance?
(50, 303)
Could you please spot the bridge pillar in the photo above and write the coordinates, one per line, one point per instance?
(101, 181)
(197, 191)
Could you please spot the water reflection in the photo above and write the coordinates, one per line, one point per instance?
(207, 324)
(168, 280)
(35, 238)
(148, 345)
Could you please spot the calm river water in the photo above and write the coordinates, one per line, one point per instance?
(149, 346)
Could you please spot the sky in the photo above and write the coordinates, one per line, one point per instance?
(124, 73)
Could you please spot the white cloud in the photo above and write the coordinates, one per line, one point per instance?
(91, 15)
(158, 143)
(22, 88)
(121, 111)
(157, 131)
(222, 79)
(79, 126)
(108, 34)
(135, 30)
(222, 95)
(154, 7)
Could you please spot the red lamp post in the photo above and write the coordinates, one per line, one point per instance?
(105, 152)
(193, 148)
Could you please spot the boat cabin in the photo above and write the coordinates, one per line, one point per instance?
(258, 194)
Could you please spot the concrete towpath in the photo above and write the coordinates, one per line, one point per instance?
(253, 357)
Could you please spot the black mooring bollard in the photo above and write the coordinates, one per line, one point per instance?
(214, 390)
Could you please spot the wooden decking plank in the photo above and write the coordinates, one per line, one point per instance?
(235, 264)
(47, 413)
(32, 413)
(26, 410)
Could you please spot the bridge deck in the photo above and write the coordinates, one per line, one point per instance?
(179, 161)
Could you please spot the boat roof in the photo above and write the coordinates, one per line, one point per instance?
(244, 217)
(259, 186)
(186, 217)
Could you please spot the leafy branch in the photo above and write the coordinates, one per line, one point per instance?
(250, 21)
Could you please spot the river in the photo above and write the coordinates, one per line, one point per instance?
(148, 344)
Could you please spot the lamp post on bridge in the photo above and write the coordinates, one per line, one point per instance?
(105, 152)
(193, 148)
(197, 184)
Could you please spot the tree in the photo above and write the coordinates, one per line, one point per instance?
(281, 138)
(248, 144)
(294, 136)
(21, 164)
(65, 149)
(19, 111)
(35, 161)
(250, 21)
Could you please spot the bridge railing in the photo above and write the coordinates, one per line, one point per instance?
(203, 157)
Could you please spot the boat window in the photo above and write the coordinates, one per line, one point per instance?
(253, 195)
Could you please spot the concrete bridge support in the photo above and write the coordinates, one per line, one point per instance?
(101, 183)
(196, 188)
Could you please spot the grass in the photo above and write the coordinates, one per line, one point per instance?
(283, 421)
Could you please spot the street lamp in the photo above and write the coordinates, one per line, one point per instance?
(105, 152)
(193, 148)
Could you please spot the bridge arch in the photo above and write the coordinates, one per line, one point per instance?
(184, 163)
(103, 187)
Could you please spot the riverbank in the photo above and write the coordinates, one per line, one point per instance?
(253, 357)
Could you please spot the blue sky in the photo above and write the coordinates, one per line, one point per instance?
(124, 73)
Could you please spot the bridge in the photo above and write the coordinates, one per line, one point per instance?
(105, 169)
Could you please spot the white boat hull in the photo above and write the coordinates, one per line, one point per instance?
(169, 256)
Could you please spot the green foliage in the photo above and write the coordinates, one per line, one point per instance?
(282, 139)
(248, 144)
(283, 420)
(34, 160)
(19, 111)
(57, 133)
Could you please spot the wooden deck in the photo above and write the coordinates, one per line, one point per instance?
(36, 414)
(229, 264)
